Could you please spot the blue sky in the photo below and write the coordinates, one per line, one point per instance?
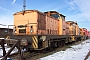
(74, 10)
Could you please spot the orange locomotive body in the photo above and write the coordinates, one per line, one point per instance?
(43, 30)
(35, 22)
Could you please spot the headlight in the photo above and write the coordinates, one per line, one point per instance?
(31, 30)
(15, 32)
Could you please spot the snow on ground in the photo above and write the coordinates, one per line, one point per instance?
(77, 52)
(6, 48)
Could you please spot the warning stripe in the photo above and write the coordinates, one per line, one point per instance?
(35, 38)
(73, 38)
(35, 42)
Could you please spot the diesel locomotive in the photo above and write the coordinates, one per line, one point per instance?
(42, 30)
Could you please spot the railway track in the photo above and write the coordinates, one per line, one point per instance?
(27, 55)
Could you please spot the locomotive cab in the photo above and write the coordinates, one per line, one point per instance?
(25, 24)
(32, 26)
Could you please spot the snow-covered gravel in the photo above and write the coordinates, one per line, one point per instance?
(77, 52)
